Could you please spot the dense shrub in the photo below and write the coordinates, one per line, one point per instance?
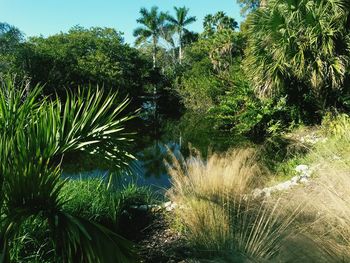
(300, 49)
(96, 56)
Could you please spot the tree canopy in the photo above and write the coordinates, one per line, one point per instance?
(96, 56)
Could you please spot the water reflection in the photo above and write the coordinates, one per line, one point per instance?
(152, 158)
(148, 170)
(157, 134)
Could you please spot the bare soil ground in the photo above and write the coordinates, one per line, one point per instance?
(160, 244)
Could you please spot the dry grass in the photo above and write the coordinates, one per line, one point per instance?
(306, 224)
(219, 175)
(326, 217)
(217, 211)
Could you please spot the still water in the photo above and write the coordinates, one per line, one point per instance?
(157, 135)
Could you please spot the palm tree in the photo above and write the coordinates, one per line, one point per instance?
(168, 35)
(152, 25)
(218, 21)
(179, 23)
(35, 132)
(295, 44)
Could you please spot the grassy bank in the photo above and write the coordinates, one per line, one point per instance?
(219, 216)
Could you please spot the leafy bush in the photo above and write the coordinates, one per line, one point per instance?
(89, 199)
(241, 111)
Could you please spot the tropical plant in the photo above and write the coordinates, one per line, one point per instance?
(218, 21)
(36, 132)
(152, 23)
(217, 56)
(299, 47)
(168, 35)
(179, 23)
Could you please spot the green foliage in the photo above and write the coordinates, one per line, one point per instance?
(336, 125)
(93, 200)
(89, 199)
(217, 22)
(10, 42)
(35, 133)
(209, 74)
(33, 243)
(95, 56)
(198, 90)
(243, 113)
(299, 47)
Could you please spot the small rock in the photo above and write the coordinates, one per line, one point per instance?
(336, 157)
(167, 204)
(295, 180)
(304, 180)
(283, 186)
(257, 192)
(302, 168)
(267, 192)
(171, 207)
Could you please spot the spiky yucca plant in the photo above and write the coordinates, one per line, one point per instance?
(35, 131)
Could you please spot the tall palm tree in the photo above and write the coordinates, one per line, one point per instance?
(179, 23)
(152, 23)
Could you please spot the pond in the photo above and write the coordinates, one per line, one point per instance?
(157, 135)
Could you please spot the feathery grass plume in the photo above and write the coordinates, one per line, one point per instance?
(325, 219)
(218, 212)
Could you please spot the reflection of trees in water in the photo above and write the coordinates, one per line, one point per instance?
(152, 158)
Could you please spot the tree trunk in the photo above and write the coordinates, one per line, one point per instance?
(174, 54)
(180, 47)
(154, 58)
(154, 52)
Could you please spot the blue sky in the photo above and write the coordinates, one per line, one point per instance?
(47, 17)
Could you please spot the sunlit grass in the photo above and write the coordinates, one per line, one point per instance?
(219, 215)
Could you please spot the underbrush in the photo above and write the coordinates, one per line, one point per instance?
(91, 200)
(317, 147)
(327, 217)
(219, 216)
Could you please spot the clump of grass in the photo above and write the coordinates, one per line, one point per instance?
(217, 211)
(33, 243)
(89, 199)
(93, 200)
